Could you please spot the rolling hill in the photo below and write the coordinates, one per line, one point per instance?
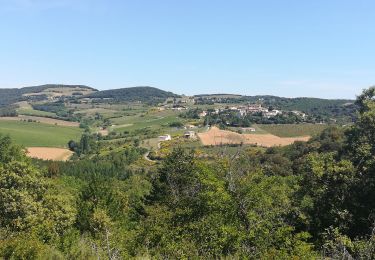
(312, 106)
(143, 94)
(12, 95)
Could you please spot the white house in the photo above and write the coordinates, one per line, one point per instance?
(203, 114)
(272, 113)
(165, 138)
(248, 129)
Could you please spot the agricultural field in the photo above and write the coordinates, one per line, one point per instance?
(106, 113)
(215, 136)
(108, 110)
(39, 119)
(152, 120)
(49, 153)
(31, 134)
(291, 130)
(33, 112)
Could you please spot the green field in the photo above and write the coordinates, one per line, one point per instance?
(157, 120)
(37, 134)
(33, 112)
(292, 130)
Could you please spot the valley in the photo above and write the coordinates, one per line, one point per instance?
(54, 115)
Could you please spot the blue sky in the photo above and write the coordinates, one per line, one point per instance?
(320, 48)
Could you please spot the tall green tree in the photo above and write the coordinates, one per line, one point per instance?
(361, 150)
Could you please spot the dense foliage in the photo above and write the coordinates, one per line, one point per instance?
(59, 109)
(231, 118)
(141, 94)
(305, 201)
(8, 111)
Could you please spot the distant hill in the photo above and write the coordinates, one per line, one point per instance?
(143, 94)
(217, 96)
(12, 95)
(151, 95)
(314, 106)
(300, 103)
(338, 108)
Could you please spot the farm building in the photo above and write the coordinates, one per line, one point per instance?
(272, 113)
(299, 113)
(248, 129)
(165, 138)
(189, 134)
(203, 114)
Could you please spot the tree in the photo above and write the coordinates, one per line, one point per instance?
(176, 176)
(72, 145)
(9, 151)
(326, 193)
(360, 148)
(30, 204)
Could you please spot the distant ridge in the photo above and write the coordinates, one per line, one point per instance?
(35, 89)
(142, 93)
(12, 95)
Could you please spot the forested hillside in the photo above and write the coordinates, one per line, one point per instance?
(12, 95)
(313, 106)
(143, 94)
(304, 201)
(316, 107)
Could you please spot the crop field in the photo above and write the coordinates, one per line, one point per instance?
(215, 136)
(33, 112)
(49, 153)
(114, 111)
(293, 130)
(155, 120)
(38, 134)
(39, 119)
(106, 113)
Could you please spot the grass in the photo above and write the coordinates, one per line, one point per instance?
(31, 134)
(293, 130)
(109, 111)
(150, 144)
(154, 120)
(106, 113)
(33, 112)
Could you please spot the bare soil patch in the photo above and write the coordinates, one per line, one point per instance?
(49, 153)
(215, 136)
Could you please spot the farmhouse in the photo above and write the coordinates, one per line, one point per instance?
(179, 108)
(165, 138)
(248, 129)
(241, 112)
(299, 113)
(255, 108)
(203, 114)
(272, 113)
(189, 134)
